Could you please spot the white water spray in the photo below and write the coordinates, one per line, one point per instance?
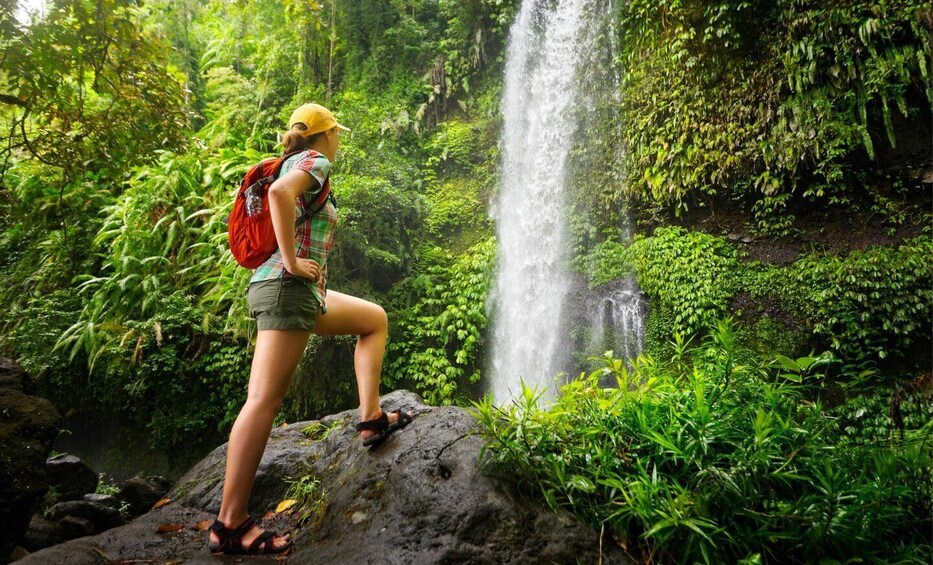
(617, 320)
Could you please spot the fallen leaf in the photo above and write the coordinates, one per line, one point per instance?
(161, 503)
(168, 528)
(203, 525)
(285, 505)
(284, 424)
(269, 514)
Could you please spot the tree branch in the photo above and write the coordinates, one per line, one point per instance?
(22, 127)
(12, 100)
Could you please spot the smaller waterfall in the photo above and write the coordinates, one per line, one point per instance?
(617, 314)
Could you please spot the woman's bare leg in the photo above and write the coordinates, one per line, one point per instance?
(277, 355)
(348, 315)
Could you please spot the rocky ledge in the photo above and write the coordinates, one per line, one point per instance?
(420, 497)
(28, 427)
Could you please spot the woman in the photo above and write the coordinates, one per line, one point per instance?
(288, 296)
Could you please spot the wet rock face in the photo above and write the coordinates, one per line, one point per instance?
(420, 497)
(28, 427)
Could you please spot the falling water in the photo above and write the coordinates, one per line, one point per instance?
(542, 97)
(617, 313)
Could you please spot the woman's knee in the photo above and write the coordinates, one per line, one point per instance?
(263, 403)
(382, 319)
(377, 321)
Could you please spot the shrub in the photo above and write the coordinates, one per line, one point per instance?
(452, 148)
(184, 385)
(865, 304)
(165, 374)
(871, 302)
(379, 223)
(437, 342)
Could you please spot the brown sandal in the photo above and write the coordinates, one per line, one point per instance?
(382, 427)
(231, 540)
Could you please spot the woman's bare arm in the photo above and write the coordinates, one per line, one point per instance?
(282, 194)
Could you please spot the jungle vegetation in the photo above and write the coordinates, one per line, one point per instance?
(781, 410)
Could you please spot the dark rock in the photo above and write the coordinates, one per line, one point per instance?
(42, 533)
(11, 382)
(103, 517)
(105, 499)
(28, 427)
(12, 375)
(70, 476)
(18, 553)
(420, 497)
(141, 494)
(71, 527)
(159, 483)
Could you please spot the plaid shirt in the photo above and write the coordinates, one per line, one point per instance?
(314, 236)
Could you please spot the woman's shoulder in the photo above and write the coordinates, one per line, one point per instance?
(309, 156)
(314, 163)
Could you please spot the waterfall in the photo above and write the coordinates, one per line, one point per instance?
(550, 45)
(617, 314)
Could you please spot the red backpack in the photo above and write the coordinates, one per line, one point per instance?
(249, 226)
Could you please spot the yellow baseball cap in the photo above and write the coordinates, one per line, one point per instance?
(316, 117)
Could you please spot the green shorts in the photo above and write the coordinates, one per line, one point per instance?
(284, 303)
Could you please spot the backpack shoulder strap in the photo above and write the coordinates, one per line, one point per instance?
(318, 203)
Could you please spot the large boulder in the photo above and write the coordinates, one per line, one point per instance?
(71, 477)
(28, 427)
(420, 497)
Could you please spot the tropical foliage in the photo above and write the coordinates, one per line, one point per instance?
(701, 458)
(441, 341)
(128, 134)
(768, 101)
